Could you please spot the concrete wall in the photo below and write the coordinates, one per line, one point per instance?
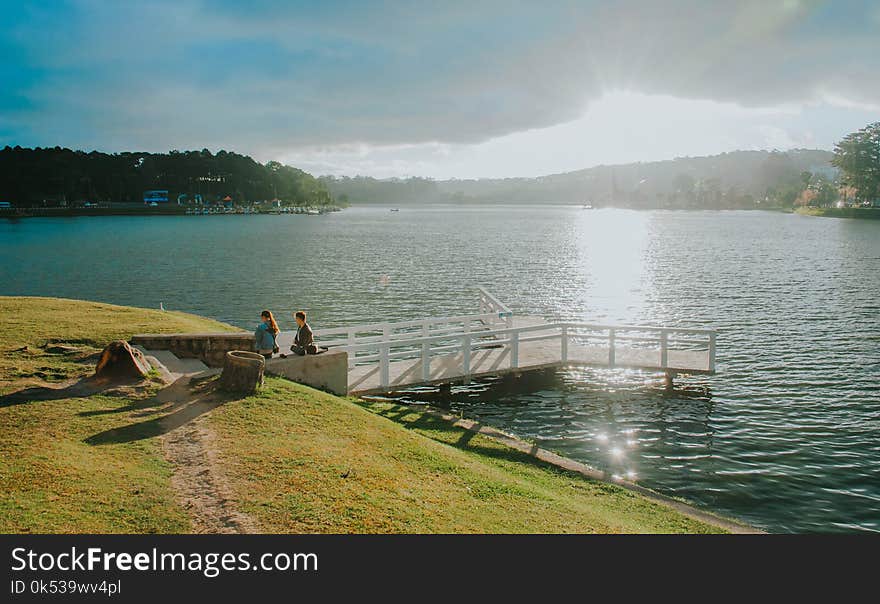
(327, 371)
(210, 348)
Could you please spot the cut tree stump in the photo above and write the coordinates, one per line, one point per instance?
(242, 372)
(119, 360)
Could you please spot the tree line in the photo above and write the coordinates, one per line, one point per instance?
(857, 156)
(734, 180)
(59, 176)
(739, 179)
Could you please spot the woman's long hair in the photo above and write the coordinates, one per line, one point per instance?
(273, 326)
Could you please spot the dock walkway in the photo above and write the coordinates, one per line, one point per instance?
(386, 357)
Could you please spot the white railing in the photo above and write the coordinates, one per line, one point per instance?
(426, 348)
(491, 305)
(356, 338)
(661, 339)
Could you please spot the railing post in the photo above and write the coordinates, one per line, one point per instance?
(426, 361)
(611, 352)
(351, 353)
(383, 365)
(712, 351)
(466, 354)
(664, 349)
(564, 344)
(514, 349)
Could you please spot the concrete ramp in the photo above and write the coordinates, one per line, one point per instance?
(171, 367)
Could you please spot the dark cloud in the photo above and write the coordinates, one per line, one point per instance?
(276, 75)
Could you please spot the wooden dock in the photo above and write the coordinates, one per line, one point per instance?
(386, 357)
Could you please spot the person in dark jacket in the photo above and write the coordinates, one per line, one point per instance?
(304, 342)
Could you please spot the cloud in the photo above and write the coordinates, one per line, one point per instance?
(621, 127)
(275, 76)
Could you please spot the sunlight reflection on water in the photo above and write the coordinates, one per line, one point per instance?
(785, 436)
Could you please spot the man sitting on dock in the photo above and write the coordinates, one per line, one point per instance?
(304, 342)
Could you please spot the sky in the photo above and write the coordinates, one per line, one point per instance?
(439, 89)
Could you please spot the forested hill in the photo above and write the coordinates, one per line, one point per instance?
(729, 180)
(53, 176)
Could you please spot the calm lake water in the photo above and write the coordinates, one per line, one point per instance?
(786, 436)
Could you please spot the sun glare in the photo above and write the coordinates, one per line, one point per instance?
(611, 248)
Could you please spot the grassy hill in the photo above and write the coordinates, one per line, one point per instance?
(737, 179)
(295, 459)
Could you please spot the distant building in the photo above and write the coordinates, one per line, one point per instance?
(156, 196)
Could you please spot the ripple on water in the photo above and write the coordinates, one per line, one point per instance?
(785, 436)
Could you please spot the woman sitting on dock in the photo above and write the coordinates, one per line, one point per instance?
(266, 333)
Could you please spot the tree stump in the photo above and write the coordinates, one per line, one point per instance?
(120, 361)
(242, 372)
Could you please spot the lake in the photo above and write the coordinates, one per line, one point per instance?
(786, 436)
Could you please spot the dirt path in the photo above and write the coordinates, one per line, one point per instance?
(198, 480)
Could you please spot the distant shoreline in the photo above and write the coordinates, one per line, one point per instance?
(860, 213)
(15, 213)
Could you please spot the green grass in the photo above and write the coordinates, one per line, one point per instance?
(50, 479)
(84, 326)
(305, 461)
(296, 460)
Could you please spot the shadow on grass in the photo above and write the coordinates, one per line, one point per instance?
(145, 404)
(443, 431)
(185, 402)
(81, 388)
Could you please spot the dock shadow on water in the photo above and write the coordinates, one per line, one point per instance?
(610, 384)
(625, 423)
(174, 406)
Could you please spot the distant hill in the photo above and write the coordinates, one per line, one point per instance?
(735, 179)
